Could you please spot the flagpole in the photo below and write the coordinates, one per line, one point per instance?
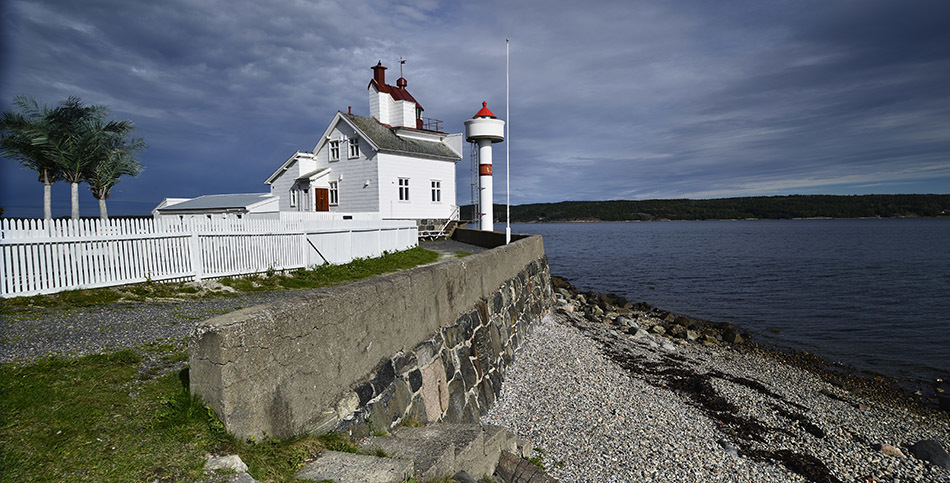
(507, 148)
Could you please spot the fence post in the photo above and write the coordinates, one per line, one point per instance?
(195, 245)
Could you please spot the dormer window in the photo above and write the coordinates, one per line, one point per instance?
(354, 145)
(334, 150)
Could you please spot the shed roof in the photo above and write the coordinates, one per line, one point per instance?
(220, 202)
(386, 140)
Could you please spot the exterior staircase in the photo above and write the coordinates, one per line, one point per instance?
(433, 229)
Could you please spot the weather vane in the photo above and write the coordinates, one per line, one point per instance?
(401, 62)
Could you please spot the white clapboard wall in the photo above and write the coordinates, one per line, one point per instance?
(41, 257)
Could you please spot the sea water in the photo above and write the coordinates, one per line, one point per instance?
(870, 293)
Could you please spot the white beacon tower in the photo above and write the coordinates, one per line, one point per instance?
(484, 129)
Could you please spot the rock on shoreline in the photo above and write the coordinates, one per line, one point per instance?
(611, 399)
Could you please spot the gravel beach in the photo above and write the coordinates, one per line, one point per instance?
(604, 405)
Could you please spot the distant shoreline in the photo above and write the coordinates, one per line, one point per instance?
(741, 208)
(662, 220)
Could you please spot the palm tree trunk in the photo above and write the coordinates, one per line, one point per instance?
(103, 213)
(47, 200)
(74, 198)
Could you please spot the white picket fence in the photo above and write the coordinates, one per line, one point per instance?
(41, 257)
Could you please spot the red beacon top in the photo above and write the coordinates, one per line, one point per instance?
(484, 112)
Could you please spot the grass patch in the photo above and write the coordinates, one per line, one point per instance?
(19, 308)
(327, 275)
(461, 254)
(411, 422)
(91, 419)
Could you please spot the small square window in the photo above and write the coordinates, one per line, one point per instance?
(436, 191)
(334, 150)
(403, 189)
(354, 145)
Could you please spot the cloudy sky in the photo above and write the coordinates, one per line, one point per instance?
(609, 100)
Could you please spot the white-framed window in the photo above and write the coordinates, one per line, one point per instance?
(334, 193)
(403, 189)
(436, 191)
(335, 150)
(354, 147)
(293, 197)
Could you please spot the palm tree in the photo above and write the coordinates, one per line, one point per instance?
(17, 130)
(116, 158)
(72, 136)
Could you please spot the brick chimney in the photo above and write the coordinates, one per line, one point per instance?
(379, 74)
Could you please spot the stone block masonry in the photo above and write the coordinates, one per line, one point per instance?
(430, 344)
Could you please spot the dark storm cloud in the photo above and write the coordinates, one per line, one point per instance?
(609, 99)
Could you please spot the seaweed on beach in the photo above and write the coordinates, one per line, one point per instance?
(805, 465)
(809, 427)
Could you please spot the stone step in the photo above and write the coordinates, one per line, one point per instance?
(513, 468)
(355, 468)
(440, 450)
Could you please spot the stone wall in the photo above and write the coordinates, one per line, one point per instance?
(430, 343)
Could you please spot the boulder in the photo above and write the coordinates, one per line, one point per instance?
(889, 450)
(658, 329)
(932, 451)
(732, 336)
(641, 334)
(230, 462)
(944, 402)
(678, 331)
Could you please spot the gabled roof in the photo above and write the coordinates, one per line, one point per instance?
(220, 202)
(385, 140)
(293, 157)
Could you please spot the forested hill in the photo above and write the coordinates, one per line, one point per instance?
(762, 207)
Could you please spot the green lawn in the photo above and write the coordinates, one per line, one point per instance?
(94, 418)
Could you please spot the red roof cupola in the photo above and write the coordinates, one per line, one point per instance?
(484, 112)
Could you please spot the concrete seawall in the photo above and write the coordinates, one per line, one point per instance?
(430, 343)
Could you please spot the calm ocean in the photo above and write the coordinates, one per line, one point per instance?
(873, 294)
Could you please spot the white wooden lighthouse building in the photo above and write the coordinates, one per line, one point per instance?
(394, 162)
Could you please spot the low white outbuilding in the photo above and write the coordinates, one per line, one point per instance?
(223, 206)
